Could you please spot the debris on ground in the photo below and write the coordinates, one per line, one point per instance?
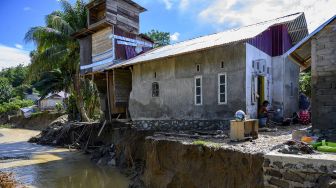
(7, 181)
(104, 155)
(63, 133)
(296, 147)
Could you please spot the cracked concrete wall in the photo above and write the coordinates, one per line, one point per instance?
(176, 76)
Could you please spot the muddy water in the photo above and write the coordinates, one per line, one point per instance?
(43, 166)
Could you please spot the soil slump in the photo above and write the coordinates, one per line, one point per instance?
(198, 166)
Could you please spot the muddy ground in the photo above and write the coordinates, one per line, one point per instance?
(266, 141)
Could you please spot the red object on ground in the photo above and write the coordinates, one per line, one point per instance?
(304, 117)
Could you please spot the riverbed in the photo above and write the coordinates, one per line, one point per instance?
(43, 166)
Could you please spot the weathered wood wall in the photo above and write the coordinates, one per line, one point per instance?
(123, 15)
(122, 86)
(101, 41)
(85, 50)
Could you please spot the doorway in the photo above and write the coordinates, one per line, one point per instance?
(261, 91)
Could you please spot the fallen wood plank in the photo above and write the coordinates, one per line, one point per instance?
(101, 129)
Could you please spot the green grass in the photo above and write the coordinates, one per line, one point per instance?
(206, 143)
(3, 126)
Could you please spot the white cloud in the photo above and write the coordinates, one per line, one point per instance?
(168, 4)
(27, 8)
(175, 37)
(184, 4)
(234, 13)
(10, 57)
(19, 46)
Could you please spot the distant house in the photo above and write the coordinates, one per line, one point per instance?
(32, 96)
(51, 100)
(318, 52)
(28, 111)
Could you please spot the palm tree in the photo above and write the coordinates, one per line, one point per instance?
(57, 49)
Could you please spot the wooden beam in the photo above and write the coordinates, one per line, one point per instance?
(108, 96)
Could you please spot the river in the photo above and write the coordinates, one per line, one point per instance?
(43, 166)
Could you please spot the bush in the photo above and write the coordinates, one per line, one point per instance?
(14, 105)
(304, 83)
(59, 107)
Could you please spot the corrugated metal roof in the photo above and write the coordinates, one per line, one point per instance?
(310, 35)
(218, 39)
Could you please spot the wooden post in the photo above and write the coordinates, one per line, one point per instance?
(108, 96)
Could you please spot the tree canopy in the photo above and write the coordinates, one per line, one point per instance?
(55, 62)
(160, 38)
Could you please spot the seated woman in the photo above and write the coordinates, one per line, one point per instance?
(263, 114)
(303, 116)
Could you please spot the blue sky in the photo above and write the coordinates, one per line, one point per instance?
(184, 19)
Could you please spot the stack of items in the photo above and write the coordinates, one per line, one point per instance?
(318, 143)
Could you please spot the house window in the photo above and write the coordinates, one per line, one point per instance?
(222, 64)
(222, 88)
(198, 67)
(291, 89)
(198, 90)
(154, 74)
(155, 89)
(253, 62)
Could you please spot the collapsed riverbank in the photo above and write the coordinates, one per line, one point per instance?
(174, 159)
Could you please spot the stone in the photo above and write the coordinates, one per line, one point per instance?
(293, 177)
(278, 164)
(112, 162)
(267, 162)
(278, 182)
(324, 168)
(274, 173)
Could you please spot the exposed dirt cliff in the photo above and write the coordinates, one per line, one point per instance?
(199, 166)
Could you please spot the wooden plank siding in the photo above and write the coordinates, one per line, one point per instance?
(85, 50)
(122, 86)
(128, 17)
(101, 41)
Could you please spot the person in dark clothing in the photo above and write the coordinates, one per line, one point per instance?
(303, 116)
(263, 112)
(304, 102)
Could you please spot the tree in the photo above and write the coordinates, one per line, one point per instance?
(56, 48)
(5, 90)
(53, 81)
(16, 75)
(159, 38)
(305, 83)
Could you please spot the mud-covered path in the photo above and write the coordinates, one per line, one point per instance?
(43, 166)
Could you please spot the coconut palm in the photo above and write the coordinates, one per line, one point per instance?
(57, 49)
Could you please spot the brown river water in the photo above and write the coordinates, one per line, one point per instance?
(43, 166)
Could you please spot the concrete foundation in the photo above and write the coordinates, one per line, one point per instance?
(283, 170)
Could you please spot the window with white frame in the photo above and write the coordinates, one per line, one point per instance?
(198, 90)
(222, 88)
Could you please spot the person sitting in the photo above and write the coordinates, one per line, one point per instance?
(263, 114)
(303, 116)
